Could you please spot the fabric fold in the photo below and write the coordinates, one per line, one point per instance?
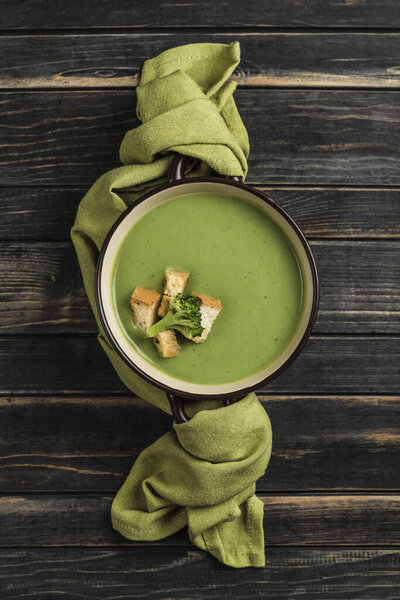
(222, 151)
(201, 474)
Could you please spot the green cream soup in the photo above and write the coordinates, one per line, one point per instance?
(235, 253)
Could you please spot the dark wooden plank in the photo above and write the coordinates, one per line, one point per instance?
(37, 269)
(342, 213)
(84, 520)
(45, 446)
(360, 286)
(49, 365)
(349, 443)
(54, 14)
(91, 574)
(268, 59)
(37, 213)
(297, 137)
(42, 290)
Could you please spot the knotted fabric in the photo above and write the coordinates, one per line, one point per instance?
(202, 473)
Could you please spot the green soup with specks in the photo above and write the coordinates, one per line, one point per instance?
(235, 253)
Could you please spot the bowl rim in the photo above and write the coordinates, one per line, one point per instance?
(314, 274)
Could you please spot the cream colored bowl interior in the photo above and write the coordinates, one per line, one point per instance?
(106, 287)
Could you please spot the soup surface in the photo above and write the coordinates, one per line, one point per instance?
(235, 253)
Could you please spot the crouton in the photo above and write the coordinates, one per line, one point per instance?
(144, 303)
(166, 343)
(174, 283)
(164, 306)
(210, 309)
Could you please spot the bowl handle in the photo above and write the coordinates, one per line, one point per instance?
(177, 169)
(178, 410)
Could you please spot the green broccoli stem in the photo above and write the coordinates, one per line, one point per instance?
(170, 321)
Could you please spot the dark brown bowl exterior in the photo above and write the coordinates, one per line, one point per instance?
(313, 315)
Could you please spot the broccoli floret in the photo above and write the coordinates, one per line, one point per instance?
(184, 315)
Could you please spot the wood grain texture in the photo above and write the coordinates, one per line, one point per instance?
(50, 365)
(48, 213)
(298, 137)
(55, 14)
(268, 59)
(41, 289)
(92, 574)
(69, 430)
(323, 520)
(59, 444)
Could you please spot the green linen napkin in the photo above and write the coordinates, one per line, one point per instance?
(203, 473)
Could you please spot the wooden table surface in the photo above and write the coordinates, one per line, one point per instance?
(319, 93)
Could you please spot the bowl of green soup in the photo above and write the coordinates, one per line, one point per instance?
(240, 247)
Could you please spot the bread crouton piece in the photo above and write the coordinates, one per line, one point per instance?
(210, 309)
(166, 343)
(164, 306)
(174, 283)
(144, 303)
